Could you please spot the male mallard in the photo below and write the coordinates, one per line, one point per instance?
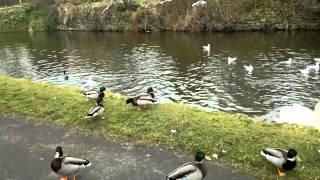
(95, 111)
(150, 92)
(95, 95)
(280, 158)
(192, 171)
(66, 77)
(67, 166)
(141, 101)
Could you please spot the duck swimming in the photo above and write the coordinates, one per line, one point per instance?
(192, 170)
(66, 77)
(280, 158)
(67, 166)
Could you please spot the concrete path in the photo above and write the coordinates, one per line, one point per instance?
(26, 150)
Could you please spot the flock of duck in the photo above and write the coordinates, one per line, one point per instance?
(65, 166)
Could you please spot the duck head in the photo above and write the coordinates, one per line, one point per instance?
(292, 153)
(59, 152)
(130, 100)
(150, 90)
(199, 156)
(102, 89)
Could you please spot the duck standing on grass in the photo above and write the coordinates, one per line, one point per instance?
(191, 171)
(67, 166)
(95, 111)
(95, 95)
(281, 158)
(144, 99)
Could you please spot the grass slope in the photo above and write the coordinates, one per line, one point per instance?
(241, 137)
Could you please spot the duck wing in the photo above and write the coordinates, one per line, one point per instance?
(75, 161)
(276, 156)
(182, 171)
(71, 166)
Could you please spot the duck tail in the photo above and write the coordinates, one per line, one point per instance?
(88, 164)
(263, 153)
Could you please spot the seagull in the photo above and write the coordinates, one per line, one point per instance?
(289, 62)
(305, 71)
(315, 67)
(231, 60)
(206, 48)
(248, 68)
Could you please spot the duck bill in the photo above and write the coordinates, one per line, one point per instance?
(298, 158)
(208, 158)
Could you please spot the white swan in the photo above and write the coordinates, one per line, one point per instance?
(249, 68)
(317, 59)
(231, 60)
(298, 114)
(206, 48)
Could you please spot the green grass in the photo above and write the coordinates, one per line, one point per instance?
(240, 136)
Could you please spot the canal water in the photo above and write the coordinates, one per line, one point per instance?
(175, 65)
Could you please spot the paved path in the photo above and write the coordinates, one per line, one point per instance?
(26, 150)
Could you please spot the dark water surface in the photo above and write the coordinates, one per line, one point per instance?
(175, 65)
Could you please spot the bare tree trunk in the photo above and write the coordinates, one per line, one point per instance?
(20, 1)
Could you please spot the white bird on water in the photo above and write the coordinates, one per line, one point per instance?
(305, 71)
(249, 68)
(289, 62)
(231, 60)
(206, 48)
(317, 59)
(315, 67)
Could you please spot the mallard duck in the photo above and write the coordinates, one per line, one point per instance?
(141, 101)
(281, 158)
(192, 171)
(95, 111)
(67, 166)
(66, 77)
(150, 92)
(95, 95)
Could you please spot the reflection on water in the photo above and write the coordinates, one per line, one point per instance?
(175, 65)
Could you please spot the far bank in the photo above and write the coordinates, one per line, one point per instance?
(176, 15)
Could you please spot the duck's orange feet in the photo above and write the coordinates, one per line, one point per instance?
(74, 178)
(64, 178)
(280, 173)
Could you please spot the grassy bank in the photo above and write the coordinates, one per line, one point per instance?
(240, 137)
(24, 17)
